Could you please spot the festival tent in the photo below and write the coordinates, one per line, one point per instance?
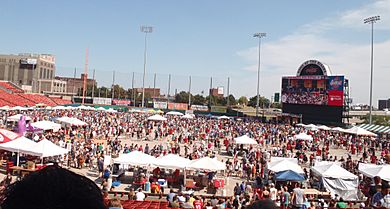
(300, 124)
(187, 116)
(303, 136)
(59, 108)
(16, 118)
(172, 161)
(18, 108)
(277, 159)
(4, 108)
(338, 129)
(46, 148)
(175, 113)
(244, 139)
(6, 135)
(323, 127)
(289, 175)
(71, 121)
(111, 110)
(359, 131)
(135, 158)
(284, 165)
(337, 180)
(157, 118)
(223, 117)
(206, 163)
(21, 144)
(372, 170)
(101, 109)
(311, 127)
(47, 125)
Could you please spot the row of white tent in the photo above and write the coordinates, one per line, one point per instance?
(169, 161)
(49, 125)
(44, 148)
(81, 107)
(334, 178)
(354, 130)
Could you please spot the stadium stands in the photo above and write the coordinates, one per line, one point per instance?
(15, 99)
(10, 87)
(147, 204)
(60, 101)
(39, 99)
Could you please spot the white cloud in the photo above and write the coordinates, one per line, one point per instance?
(284, 56)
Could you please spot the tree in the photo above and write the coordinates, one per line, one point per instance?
(232, 100)
(182, 97)
(378, 119)
(199, 100)
(243, 100)
(263, 102)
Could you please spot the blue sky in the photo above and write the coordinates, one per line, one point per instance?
(203, 38)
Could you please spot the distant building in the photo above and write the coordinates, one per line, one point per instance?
(32, 72)
(383, 104)
(75, 85)
(216, 92)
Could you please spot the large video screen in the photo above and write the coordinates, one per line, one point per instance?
(313, 90)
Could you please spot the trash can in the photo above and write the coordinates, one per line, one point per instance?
(147, 186)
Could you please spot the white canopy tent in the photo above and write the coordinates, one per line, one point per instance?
(18, 108)
(46, 148)
(323, 127)
(338, 129)
(135, 158)
(71, 121)
(59, 108)
(47, 125)
(300, 124)
(157, 118)
(284, 165)
(223, 117)
(16, 118)
(303, 136)
(206, 163)
(4, 108)
(101, 109)
(244, 139)
(311, 127)
(175, 113)
(372, 170)
(337, 180)
(359, 131)
(19, 145)
(172, 161)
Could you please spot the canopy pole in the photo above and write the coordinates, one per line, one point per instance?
(185, 178)
(17, 159)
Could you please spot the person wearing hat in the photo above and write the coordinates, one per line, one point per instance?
(385, 201)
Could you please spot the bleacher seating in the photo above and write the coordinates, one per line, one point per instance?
(11, 87)
(15, 99)
(4, 103)
(39, 99)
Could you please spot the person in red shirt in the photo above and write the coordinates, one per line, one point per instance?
(197, 203)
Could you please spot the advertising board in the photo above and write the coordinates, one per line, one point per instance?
(201, 108)
(102, 101)
(177, 106)
(219, 109)
(121, 102)
(160, 105)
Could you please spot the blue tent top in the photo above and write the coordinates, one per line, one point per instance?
(289, 175)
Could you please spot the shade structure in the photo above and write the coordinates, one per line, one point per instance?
(17, 117)
(32, 129)
(4, 108)
(378, 129)
(244, 139)
(206, 163)
(187, 116)
(223, 117)
(337, 180)
(6, 135)
(289, 175)
(284, 165)
(101, 109)
(172, 161)
(46, 148)
(323, 127)
(135, 158)
(300, 125)
(18, 108)
(359, 131)
(175, 113)
(111, 110)
(311, 127)
(372, 170)
(304, 136)
(337, 129)
(47, 125)
(71, 121)
(157, 118)
(20, 145)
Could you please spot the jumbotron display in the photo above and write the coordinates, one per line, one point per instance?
(314, 93)
(313, 90)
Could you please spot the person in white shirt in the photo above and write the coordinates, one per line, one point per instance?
(273, 192)
(140, 196)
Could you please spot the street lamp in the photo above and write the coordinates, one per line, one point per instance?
(146, 30)
(371, 20)
(258, 35)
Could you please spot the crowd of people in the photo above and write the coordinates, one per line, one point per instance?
(109, 133)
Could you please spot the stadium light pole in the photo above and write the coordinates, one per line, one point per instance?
(371, 20)
(259, 36)
(146, 30)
